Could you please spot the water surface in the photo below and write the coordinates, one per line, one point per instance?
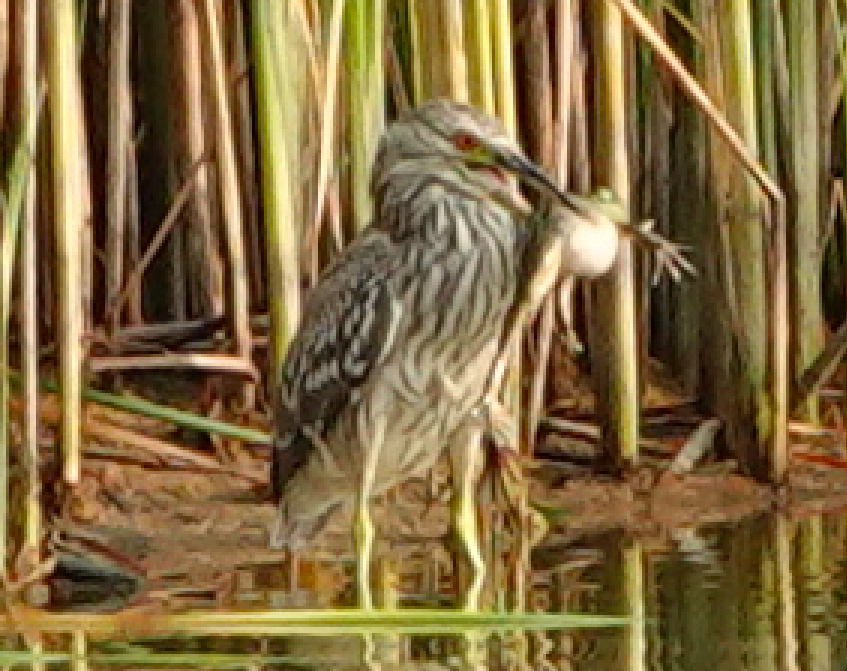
(765, 593)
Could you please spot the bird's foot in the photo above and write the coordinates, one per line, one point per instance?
(669, 256)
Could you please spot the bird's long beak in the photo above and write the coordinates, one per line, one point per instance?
(534, 175)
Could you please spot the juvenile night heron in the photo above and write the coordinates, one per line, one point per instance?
(399, 338)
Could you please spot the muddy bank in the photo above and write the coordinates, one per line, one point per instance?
(196, 534)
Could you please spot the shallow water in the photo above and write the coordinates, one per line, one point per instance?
(768, 593)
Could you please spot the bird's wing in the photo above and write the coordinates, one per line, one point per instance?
(348, 325)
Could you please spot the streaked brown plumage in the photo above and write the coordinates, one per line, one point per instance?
(398, 339)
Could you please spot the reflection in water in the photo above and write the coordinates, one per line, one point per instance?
(770, 593)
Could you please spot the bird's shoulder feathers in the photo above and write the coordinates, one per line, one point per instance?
(348, 325)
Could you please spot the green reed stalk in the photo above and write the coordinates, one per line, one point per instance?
(12, 207)
(28, 43)
(364, 22)
(453, 43)
(479, 55)
(806, 316)
(504, 68)
(271, 29)
(416, 56)
(66, 132)
(616, 357)
(118, 146)
(744, 228)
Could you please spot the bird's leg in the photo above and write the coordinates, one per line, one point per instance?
(363, 525)
(572, 341)
(467, 460)
(363, 538)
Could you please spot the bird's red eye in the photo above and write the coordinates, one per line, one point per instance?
(465, 141)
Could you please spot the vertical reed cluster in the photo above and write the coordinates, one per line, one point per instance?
(199, 161)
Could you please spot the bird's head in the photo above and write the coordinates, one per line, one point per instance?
(461, 147)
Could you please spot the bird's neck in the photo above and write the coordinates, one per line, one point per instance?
(405, 205)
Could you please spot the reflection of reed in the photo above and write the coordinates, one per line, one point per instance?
(783, 533)
(813, 595)
(469, 651)
(836, 551)
(79, 648)
(633, 607)
(384, 650)
(36, 647)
